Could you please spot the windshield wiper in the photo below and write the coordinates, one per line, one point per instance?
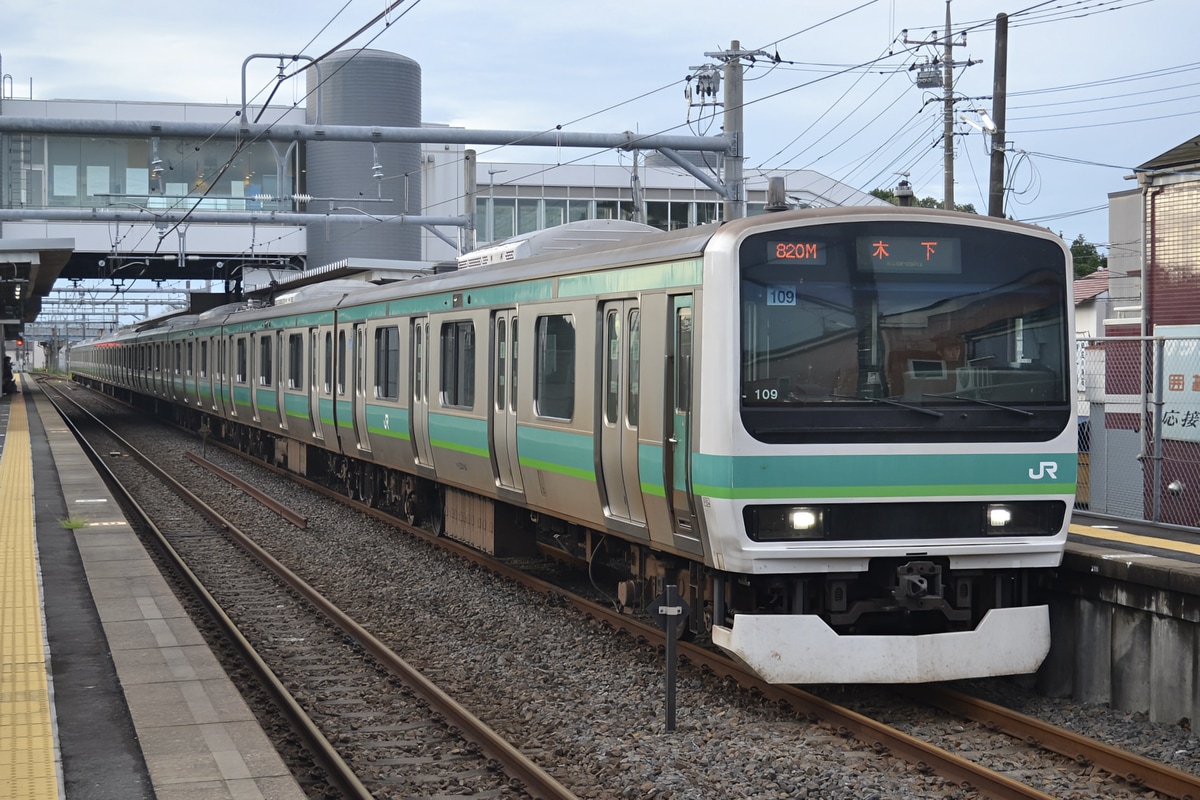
(889, 401)
(988, 403)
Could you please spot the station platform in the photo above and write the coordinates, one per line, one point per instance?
(1147, 540)
(1125, 618)
(107, 690)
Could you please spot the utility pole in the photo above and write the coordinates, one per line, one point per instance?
(948, 113)
(999, 101)
(735, 201)
(927, 80)
(735, 205)
(470, 192)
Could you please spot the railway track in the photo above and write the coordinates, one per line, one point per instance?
(396, 732)
(1048, 758)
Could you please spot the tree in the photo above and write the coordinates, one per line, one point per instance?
(1087, 257)
(924, 202)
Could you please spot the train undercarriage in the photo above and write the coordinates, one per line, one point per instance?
(895, 596)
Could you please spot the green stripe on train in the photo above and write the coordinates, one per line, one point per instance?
(882, 475)
(559, 451)
(388, 421)
(460, 434)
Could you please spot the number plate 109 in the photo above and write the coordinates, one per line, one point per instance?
(781, 295)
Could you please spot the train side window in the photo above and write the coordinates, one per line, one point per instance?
(241, 361)
(683, 361)
(612, 389)
(204, 359)
(191, 356)
(501, 357)
(328, 362)
(418, 361)
(264, 361)
(387, 363)
(554, 371)
(458, 364)
(295, 361)
(341, 363)
(177, 362)
(632, 387)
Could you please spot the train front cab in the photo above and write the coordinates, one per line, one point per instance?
(823, 428)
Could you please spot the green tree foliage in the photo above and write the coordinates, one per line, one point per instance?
(1087, 257)
(924, 202)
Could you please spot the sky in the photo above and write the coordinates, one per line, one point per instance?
(1095, 87)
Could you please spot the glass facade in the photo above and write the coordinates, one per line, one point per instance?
(52, 171)
(500, 218)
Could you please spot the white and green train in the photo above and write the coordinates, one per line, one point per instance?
(847, 435)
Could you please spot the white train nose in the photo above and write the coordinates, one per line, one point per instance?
(801, 648)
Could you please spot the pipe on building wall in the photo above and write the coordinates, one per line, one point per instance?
(172, 216)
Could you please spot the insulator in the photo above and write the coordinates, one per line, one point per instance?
(302, 198)
(262, 198)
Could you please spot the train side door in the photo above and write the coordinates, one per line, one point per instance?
(620, 407)
(241, 387)
(254, 376)
(208, 390)
(679, 410)
(420, 390)
(359, 364)
(342, 388)
(318, 379)
(504, 400)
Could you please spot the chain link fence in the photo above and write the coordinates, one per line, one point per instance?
(1139, 427)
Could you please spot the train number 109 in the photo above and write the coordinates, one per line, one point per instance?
(781, 295)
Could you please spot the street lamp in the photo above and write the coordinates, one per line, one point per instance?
(492, 202)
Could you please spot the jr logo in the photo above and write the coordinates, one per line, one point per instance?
(1046, 469)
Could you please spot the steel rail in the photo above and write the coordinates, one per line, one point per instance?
(538, 782)
(270, 502)
(1135, 769)
(883, 738)
(324, 753)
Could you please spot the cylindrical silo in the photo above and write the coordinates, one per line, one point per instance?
(372, 88)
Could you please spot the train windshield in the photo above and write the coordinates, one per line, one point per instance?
(903, 330)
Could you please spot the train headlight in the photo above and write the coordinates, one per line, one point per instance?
(1025, 518)
(998, 517)
(785, 523)
(804, 519)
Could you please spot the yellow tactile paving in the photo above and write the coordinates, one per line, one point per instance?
(1133, 538)
(28, 768)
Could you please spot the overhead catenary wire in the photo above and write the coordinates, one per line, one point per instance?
(846, 139)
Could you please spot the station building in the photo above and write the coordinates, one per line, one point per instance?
(112, 191)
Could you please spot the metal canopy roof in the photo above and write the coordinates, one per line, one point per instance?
(1184, 155)
(28, 270)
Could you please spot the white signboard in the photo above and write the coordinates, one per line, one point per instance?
(97, 180)
(66, 180)
(1181, 381)
(137, 180)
